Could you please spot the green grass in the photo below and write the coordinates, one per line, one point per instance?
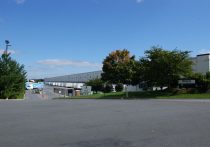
(188, 96)
(113, 95)
(144, 95)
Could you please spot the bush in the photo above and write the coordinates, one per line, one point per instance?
(203, 87)
(181, 91)
(108, 88)
(119, 87)
(202, 82)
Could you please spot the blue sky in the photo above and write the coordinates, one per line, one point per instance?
(59, 37)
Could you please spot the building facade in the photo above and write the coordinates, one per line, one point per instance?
(201, 63)
(74, 80)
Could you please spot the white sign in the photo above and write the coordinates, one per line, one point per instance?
(186, 81)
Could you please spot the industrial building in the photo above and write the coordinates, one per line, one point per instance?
(74, 80)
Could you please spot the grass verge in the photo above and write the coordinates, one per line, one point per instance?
(143, 95)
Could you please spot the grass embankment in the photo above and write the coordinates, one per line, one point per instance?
(144, 95)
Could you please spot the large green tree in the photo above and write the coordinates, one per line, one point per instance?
(12, 78)
(138, 73)
(164, 68)
(118, 67)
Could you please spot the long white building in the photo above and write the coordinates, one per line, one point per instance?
(74, 80)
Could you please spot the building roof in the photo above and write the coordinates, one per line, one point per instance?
(204, 54)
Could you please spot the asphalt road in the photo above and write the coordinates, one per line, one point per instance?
(104, 123)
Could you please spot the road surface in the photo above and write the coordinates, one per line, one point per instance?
(104, 123)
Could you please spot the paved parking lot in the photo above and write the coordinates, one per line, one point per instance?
(104, 123)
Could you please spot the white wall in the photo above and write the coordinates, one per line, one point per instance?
(132, 88)
(201, 63)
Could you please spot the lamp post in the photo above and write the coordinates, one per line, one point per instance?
(6, 53)
(7, 45)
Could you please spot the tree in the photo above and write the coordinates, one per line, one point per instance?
(96, 84)
(164, 68)
(12, 78)
(138, 73)
(208, 75)
(108, 88)
(119, 87)
(118, 67)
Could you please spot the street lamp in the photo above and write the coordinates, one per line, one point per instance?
(7, 45)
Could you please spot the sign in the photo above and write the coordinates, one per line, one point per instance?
(186, 81)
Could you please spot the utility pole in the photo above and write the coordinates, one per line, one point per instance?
(7, 45)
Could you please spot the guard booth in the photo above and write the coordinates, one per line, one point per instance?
(86, 90)
(64, 91)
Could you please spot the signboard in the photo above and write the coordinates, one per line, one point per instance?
(186, 81)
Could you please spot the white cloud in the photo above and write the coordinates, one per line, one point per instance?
(20, 1)
(139, 1)
(56, 67)
(40, 71)
(58, 62)
(203, 51)
(9, 51)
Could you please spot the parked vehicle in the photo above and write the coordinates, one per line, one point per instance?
(32, 85)
(29, 86)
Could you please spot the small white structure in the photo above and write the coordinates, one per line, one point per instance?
(131, 88)
(86, 90)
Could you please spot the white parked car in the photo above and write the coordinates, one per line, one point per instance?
(29, 86)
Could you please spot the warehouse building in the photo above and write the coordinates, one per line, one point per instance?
(74, 80)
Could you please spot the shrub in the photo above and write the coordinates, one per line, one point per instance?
(119, 87)
(108, 88)
(202, 82)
